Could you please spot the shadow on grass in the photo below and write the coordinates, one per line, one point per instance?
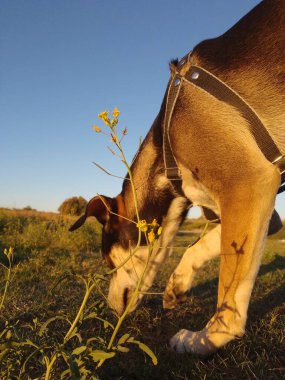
(267, 303)
(277, 263)
(205, 288)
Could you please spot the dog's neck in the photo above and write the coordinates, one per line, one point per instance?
(153, 190)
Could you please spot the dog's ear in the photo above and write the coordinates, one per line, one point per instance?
(99, 207)
(173, 66)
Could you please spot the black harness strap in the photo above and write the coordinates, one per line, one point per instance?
(211, 84)
(171, 169)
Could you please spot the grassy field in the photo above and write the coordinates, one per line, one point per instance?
(48, 261)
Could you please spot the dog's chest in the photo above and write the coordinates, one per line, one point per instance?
(196, 192)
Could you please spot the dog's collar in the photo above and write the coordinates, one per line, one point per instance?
(205, 80)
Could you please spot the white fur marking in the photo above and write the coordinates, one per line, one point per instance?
(127, 276)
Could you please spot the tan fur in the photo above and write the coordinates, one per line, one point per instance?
(239, 185)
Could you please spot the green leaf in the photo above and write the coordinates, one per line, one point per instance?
(79, 350)
(91, 315)
(65, 373)
(106, 324)
(97, 339)
(45, 325)
(80, 363)
(3, 353)
(95, 315)
(3, 332)
(101, 355)
(73, 334)
(10, 344)
(63, 354)
(149, 352)
(28, 342)
(123, 349)
(28, 358)
(100, 277)
(146, 349)
(123, 338)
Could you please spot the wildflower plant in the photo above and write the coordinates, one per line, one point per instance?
(151, 230)
(8, 269)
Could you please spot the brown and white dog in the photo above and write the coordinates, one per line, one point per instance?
(222, 169)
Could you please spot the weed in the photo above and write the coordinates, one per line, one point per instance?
(8, 269)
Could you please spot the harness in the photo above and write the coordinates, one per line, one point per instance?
(208, 82)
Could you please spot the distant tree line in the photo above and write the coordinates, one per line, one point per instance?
(73, 206)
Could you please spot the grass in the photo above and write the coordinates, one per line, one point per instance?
(29, 232)
(36, 294)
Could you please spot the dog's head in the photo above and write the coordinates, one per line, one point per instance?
(119, 242)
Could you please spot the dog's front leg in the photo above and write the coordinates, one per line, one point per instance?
(245, 214)
(193, 259)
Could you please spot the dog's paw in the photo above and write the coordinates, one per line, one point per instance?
(169, 296)
(197, 343)
(175, 291)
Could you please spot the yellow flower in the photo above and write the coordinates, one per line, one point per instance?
(103, 115)
(151, 236)
(116, 112)
(159, 231)
(142, 225)
(9, 252)
(96, 129)
(154, 223)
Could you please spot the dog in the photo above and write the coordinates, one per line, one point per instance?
(222, 168)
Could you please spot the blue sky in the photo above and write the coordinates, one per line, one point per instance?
(63, 62)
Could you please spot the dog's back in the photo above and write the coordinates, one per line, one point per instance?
(255, 41)
(250, 57)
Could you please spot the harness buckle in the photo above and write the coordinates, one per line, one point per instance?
(278, 159)
(173, 173)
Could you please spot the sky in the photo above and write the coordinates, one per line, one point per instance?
(63, 62)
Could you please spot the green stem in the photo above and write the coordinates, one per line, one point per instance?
(204, 230)
(131, 180)
(80, 311)
(136, 292)
(9, 270)
(49, 366)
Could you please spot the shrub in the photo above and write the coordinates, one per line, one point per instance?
(73, 206)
